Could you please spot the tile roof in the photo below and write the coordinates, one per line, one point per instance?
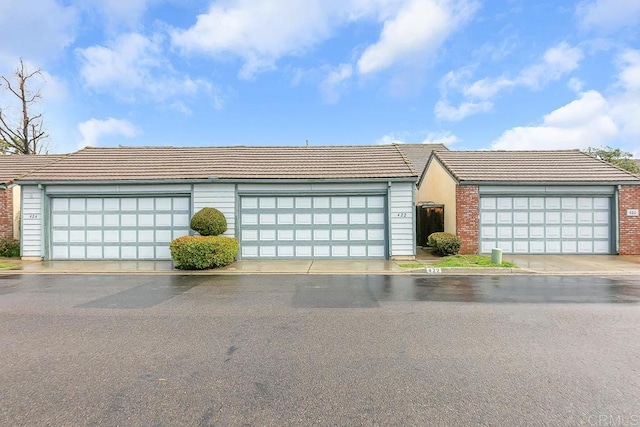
(240, 162)
(530, 166)
(419, 154)
(15, 165)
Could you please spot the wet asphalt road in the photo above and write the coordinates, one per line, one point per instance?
(319, 350)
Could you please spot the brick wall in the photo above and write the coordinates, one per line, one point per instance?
(629, 226)
(467, 220)
(6, 213)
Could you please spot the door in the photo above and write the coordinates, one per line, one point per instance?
(345, 226)
(546, 225)
(117, 228)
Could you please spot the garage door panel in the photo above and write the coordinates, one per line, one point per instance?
(117, 227)
(546, 224)
(601, 247)
(94, 252)
(569, 246)
(487, 232)
(313, 226)
(569, 232)
(520, 247)
(488, 203)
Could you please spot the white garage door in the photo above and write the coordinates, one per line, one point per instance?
(313, 227)
(546, 225)
(117, 227)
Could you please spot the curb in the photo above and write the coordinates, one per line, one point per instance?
(434, 272)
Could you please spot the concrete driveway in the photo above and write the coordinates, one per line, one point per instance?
(318, 350)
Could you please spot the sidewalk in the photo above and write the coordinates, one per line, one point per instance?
(602, 265)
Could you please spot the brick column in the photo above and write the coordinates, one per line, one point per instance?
(467, 220)
(6, 213)
(629, 226)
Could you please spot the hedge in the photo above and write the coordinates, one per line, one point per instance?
(209, 222)
(444, 243)
(9, 248)
(203, 252)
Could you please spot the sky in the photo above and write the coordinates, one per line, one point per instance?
(472, 74)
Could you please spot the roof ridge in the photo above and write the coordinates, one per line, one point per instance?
(405, 159)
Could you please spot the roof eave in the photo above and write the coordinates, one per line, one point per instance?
(576, 183)
(411, 178)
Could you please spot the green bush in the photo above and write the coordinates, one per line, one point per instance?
(209, 222)
(445, 243)
(9, 248)
(203, 252)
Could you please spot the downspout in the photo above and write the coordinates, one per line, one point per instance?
(615, 215)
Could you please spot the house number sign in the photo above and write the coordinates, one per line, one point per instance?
(31, 216)
(632, 212)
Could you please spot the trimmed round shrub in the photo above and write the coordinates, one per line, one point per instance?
(444, 243)
(203, 252)
(9, 248)
(209, 222)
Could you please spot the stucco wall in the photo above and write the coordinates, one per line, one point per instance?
(440, 187)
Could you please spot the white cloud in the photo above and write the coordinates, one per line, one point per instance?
(626, 102)
(589, 121)
(416, 31)
(556, 62)
(585, 122)
(477, 96)
(94, 129)
(575, 84)
(445, 137)
(334, 80)
(134, 68)
(116, 13)
(609, 15)
(262, 32)
(37, 30)
(259, 32)
(629, 76)
(445, 111)
(487, 88)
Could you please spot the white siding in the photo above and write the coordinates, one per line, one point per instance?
(32, 222)
(219, 196)
(401, 224)
(355, 187)
(117, 189)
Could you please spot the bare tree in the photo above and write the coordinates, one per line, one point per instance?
(26, 135)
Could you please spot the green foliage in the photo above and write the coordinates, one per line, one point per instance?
(203, 252)
(444, 243)
(616, 157)
(209, 222)
(471, 261)
(9, 248)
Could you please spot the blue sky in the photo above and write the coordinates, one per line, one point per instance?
(473, 74)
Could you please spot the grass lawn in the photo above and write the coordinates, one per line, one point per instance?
(5, 265)
(412, 265)
(471, 261)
